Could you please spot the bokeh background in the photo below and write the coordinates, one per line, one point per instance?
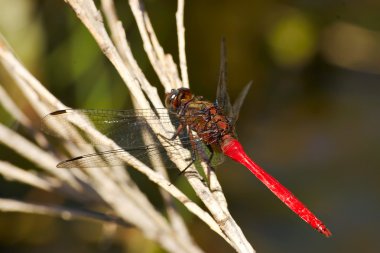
(312, 118)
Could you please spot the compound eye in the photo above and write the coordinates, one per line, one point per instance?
(170, 98)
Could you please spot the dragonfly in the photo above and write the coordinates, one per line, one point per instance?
(206, 129)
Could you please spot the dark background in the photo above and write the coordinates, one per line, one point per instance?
(311, 118)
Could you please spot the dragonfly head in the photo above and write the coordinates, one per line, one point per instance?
(176, 98)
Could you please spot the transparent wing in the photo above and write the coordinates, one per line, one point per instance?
(152, 156)
(222, 98)
(239, 102)
(131, 130)
(127, 128)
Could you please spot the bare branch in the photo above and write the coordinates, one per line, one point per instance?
(92, 19)
(164, 66)
(12, 108)
(10, 205)
(113, 186)
(181, 43)
(28, 150)
(13, 173)
(122, 45)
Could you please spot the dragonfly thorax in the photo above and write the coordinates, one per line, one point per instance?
(208, 121)
(198, 115)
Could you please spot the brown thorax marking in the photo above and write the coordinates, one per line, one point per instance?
(200, 116)
(206, 120)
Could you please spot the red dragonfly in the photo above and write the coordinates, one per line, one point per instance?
(206, 129)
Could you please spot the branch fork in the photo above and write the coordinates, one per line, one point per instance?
(114, 186)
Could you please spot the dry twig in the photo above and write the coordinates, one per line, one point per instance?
(114, 186)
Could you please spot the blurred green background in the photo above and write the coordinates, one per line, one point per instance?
(312, 118)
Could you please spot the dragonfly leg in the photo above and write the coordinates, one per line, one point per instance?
(177, 132)
(188, 166)
(193, 154)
